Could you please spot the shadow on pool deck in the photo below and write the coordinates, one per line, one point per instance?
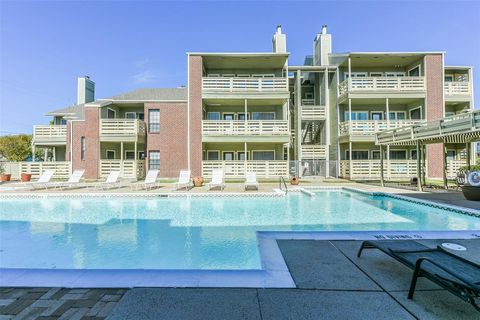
(332, 283)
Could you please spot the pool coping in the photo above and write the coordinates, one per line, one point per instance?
(274, 272)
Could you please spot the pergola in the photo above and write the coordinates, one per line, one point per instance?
(461, 128)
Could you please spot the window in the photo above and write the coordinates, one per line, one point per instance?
(129, 155)
(416, 114)
(376, 74)
(449, 78)
(141, 155)
(241, 156)
(451, 154)
(376, 115)
(396, 115)
(263, 115)
(63, 121)
(141, 116)
(355, 75)
(357, 154)
(82, 148)
(414, 72)
(394, 74)
(228, 116)
(110, 154)
(154, 160)
(241, 116)
(375, 154)
(130, 115)
(398, 154)
(154, 121)
(228, 156)
(462, 78)
(111, 113)
(357, 115)
(308, 95)
(213, 115)
(413, 154)
(213, 155)
(263, 155)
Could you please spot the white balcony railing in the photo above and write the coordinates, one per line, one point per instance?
(457, 88)
(310, 112)
(50, 133)
(313, 151)
(382, 84)
(122, 127)
(308, 102)
(62, 168)
(241, 127)
(369, 127)
(370, 169)
(128, 168)
(244, 84)
(236, 169)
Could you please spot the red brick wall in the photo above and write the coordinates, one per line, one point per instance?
(434, 111)
(195, 105)
(172, 139)
(78, 132)
(92, 142)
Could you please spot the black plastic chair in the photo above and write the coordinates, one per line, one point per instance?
(453, 273)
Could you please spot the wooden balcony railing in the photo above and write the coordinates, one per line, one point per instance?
(50, 134)
(313, 151)
(310, 112)
(382, 84)
(369, 127)
(128, 168)
(121, 127)
(227, 84)
(241, 127)
(62, 169)
(236, 169)
(457, 88)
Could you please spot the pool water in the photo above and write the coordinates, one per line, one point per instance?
(191, 233)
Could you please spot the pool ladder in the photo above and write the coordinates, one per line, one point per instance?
(280, 181)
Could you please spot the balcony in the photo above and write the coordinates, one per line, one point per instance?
(313, 151)
(370, 127)
(456, 89)
(237, 169)
(62, 169)
(50, 135)
(128, 168)
(244, 85)
(313, 113)
(122, 130)
(259, 130)
(382, 85)
(401, 170)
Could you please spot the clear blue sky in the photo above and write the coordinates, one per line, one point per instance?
(128, 45)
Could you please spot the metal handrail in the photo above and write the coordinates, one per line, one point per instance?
(280, 180)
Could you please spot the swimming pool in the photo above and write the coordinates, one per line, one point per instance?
(191, 232)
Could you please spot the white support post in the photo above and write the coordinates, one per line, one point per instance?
(245, 158)
(54, 154)
(45, 154)
(350, 162)
(135, 166)
(419, 168)
(445, 167)
(121, 159)
(327, 124)
(382, 181)
(387, 115)
(33, 152)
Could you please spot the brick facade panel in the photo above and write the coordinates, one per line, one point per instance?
(195, 74)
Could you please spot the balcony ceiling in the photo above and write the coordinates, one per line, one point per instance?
(241, 102)
(245, 61)
(372, 60)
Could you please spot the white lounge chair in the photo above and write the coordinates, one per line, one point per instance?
(217, 180)
(251, 180)
(73, 181)
(43, 181)
(111, 181)
(184, 180)
(150, 181)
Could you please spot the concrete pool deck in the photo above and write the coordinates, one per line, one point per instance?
(331, 283)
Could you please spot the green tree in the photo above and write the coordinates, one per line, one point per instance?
(16, 147)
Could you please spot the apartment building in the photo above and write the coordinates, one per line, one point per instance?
(255, 112)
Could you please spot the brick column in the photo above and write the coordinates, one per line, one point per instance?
(434, 109)
(92, 143)
(195, 71)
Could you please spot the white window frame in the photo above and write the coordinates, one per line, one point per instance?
(228, 75)
(240, 113)
(380, 112)
(227, 113)
(125, 154)
(395, 74)
(371, 154)
(130, 112)
(219, 115)
(451, 76)
(238, 155)
(228, 151)
(274, 155)
(454, 154)
(243, 75)
(413, 68)
(368, 154)
(114, 154)
(355, 74)
(376, 74)
(272, 112)
(411, 153)
(114, 113)
(214, 151)
(356, 111)
(213, 75)
(405, 150)
(139, 157)
(396, 118)
(410, 113)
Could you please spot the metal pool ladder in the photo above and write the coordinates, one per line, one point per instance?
(280, 181)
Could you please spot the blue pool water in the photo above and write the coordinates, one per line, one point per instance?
(190, 233)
